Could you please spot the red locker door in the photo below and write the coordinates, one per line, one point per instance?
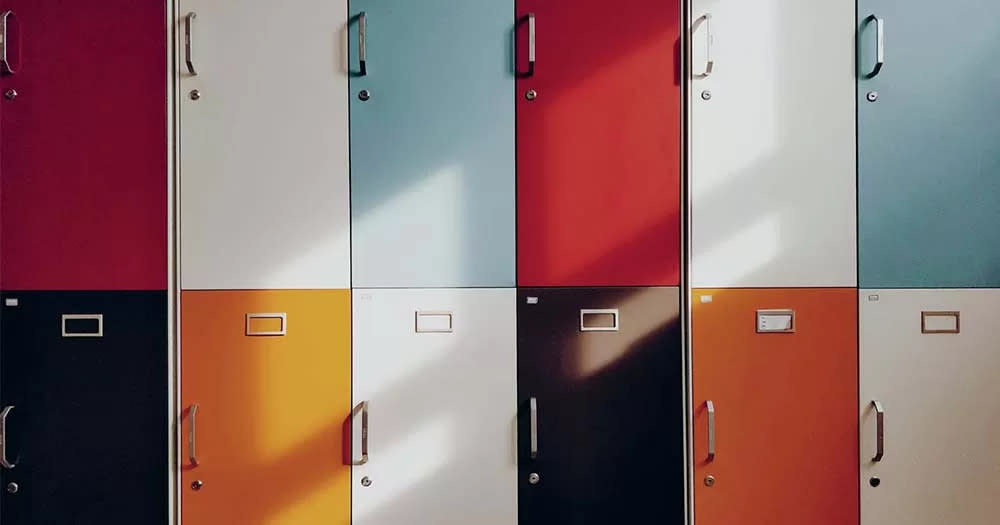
(83, 155)
(598, 143)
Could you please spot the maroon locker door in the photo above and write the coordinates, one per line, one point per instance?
(83, 150)
(598, 143)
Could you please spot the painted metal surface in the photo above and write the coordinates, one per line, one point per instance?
(270, 428)
(605, 439)
(436, 371)
(87, 434)
(784, 401)
(83, 157)
(939, 395)
(927, 145)
(432, 149)
(598, 149)
(264, 148)
(772, 144)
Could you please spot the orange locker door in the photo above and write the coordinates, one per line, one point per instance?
(266, 393)
(775, 377)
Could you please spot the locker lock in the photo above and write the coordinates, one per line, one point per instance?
(364, 95)
(875, 481)
(872, 96)
(706, 95)
(366, 481)
(531, 94)
(197, 484)
(11, 94)
(534, 478)
(195, 94)
(12, 487)
(709, 480)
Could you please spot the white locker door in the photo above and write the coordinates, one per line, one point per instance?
(263, 144)
(434, 392)
(930, 358)
(773, 143)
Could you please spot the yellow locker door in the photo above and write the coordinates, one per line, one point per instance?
(266, 395)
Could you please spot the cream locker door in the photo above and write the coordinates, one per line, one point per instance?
(773, 143)
(434, 407)
(930, 359)
(263, 144)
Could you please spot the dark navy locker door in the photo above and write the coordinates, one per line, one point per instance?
(600, 421)
(83, 378)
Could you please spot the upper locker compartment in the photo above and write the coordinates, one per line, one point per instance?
(927, 144)
(772, 149)
(598, 143)
(263, 127)
(432, 143)
(83, 156)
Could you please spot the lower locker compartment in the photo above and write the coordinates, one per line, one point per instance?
(266, 398)
(600, 401)
(83, 382)
(775, 385)
(929, 361)
(434, 380)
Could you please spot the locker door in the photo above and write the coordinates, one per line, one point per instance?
(600, 421)
(265, 391)
(434, 407)
(772, 144)
(929, 357)
(83, 377)
(927, 144)
(263, 138)
(598, 143)
(783, 402)
(432, 143)
(83, 160)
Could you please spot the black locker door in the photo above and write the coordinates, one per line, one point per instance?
(86, 375)
(600, 406)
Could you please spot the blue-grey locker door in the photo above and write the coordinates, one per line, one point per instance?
(929, 165)
(432, 143)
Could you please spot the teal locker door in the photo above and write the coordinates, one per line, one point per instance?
(928, 135)
(432, 143)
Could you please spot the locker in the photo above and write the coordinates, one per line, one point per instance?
(598, 142)
(83, 157)
(775, 380)
(433, 417)
(264, 147)
(772, 144)
(265, 392)
(600, 406)
(432, 143)
(927, 136)
(928, 358)
(83, 386)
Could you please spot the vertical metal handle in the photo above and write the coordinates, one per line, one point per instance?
(530, 18)
(363, 42)
(3, 438)
(363, 407)
(709, 62)
(710, 409)
(533, 431)
(5, 43)
(879, 45)
(193, 436)
(187, 42)
(879, 431)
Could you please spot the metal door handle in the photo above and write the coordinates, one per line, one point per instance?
(192, 436)
(531, 46)
(879, 45)
(879, 431)
(533, 424)
(5, 43)
(710, 408)
(3, 438)
(709, 63)
(363, 408)
(363, 42)
(187, 42)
